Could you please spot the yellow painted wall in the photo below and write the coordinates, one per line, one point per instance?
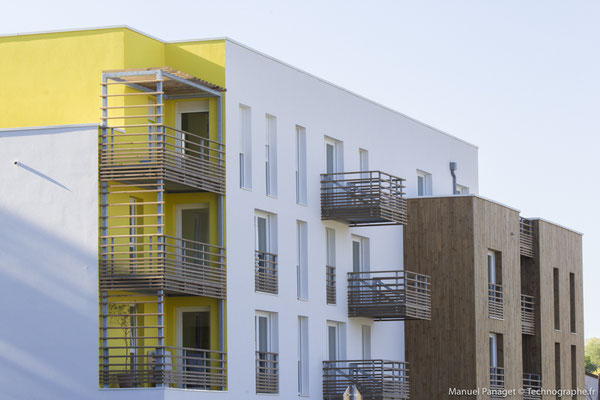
(54, 78)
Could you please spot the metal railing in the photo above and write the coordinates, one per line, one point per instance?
(526, 243)
(532, 383)
(389, 295)
(496, 379)
(363, 198)
(152, 366)
(266, 275)
(162, 262)
(527, 314)
(495, 301)
(267, 372)
(163, 152)
(330, 285)
(375, 379)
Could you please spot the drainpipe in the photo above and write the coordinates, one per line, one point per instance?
(453, 173)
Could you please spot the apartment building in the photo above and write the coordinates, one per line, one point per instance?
(506, 299)
(198, 219)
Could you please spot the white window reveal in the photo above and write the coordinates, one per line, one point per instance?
(424, 183)
(245, 158)
(302, 259)
(271, 155)
(303, 362)
(301, 184)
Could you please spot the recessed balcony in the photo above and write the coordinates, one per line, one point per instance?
(374, 379)
(389, 295)
(363, 198)
(144, 263)
(526, 243)
(527, 314)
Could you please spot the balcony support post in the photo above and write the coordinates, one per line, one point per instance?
(161, 338)
(103, 233)
(105, 354)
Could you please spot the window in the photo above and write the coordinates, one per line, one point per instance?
(135, 210)
(334, 160)
(360, 254)
(556, 299)
(303, 356)
(364, 159)
(424, 183)
(192, 119)
(493, 350)
(557, 374)
(572, 300)
(366, 342)
(267, 356)
(573, 367)
(494, 261)
(265, 238)
(330, 270)
(460, 189)
(246, 148)
(302, 260)
(336, 341)
(496, 359)
(271, 155)
(301, 185)
(495, 292)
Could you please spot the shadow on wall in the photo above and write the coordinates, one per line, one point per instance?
(49, 312)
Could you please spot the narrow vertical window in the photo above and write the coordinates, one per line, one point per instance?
(303, 362)
(424, 183)
(245, 148)
(271, 155)
(336, 341)
(572, 301)
(496, 348)
(557, 374)
(495, 290)
(267, 356)
(265, 265)
(302, 260)
(360, 254)
(556, 286)
(366, 342)
(301, 184)
(574, 368)
(330, 270)
(364, 159)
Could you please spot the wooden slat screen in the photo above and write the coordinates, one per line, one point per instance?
(330, 285)
(267, 372)
(266, 275)
(526, 238)
(495, 301)
(527, 314)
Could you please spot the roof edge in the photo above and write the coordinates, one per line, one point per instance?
(555, 224)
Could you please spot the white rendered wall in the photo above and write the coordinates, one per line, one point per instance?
(48, 263)
(396, 145)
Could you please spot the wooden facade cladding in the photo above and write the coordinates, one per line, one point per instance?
(389, 295)
(374, 379)
(363, 198)
(267, 372)
(526, 241)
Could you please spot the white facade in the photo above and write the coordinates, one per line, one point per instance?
(49, 232)
(396, 145)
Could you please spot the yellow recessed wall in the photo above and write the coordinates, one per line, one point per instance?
(54, 78)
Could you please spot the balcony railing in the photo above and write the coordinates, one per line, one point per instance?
(266, 276)
(375, 379)
(183, 159)
(495, 301)
(526, 237)
(363, 198)
(152, 366)
(267, 372)
(330, 284)
(152, 262)
(496, 381)
(527, 314)
(389, 295)
(532, 383)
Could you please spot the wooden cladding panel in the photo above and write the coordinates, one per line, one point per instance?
(363, 198)
(374, 379)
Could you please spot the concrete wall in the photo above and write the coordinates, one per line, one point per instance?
(396, 145)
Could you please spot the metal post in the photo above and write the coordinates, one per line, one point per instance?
(161, 338)
(103, 233)
(105, 368)
(221, 222)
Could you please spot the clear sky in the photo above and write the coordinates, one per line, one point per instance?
(519, 79)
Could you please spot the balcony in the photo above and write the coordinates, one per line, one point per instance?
(496, 382)
(363, 198)
(389, 295)
(153, 262)
(266, 275)
(152, 366)
(531, 384)
(267, 372)
(526, 238)
(185, 161)
(375, 379)
(495, 301)
(527, 314)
